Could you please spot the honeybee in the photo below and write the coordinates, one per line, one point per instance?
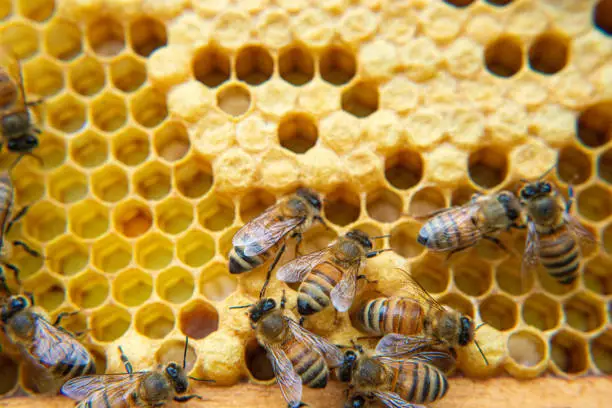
(460, 227)
(154, 388)
(297, 356)
(255, 242)
(329, 275)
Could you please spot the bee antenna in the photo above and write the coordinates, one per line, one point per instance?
(201, 379)
(481, 352)
(185, 352)
(381, 236)
(240, 307)
(479, 326)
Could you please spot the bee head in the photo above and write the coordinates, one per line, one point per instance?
(14, 305)
(361, 237)
(25, 143)
(261, 308)
(510, 203)
(536, 189)
(177, 377)
(466, 331)
(310, 196)
(356, 401)
(345, 370)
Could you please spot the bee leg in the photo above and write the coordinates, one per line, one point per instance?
(320, 220)
(15, 272)
(298, 242)
(186, 398)
(496, 241)
(366, 279)
(16, 218)
(126, 361)
(27, 248)
(283, 301)
(277, 257)
(570, 201)
(3, 281)
(60, 316)
(453, 252)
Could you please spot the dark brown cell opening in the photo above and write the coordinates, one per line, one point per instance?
(298, 132)
(601, 352)
(194, 178)
(342, 207)
(459, 3)
(254, 65)
(604, 166)
(526, 348)
(361, 100)
(211, 66)
(607, 238)
(106, 36)
(595, 203)
(474, 278)
(504, 57)
(597, 276)
(499, 2)
(583, 313)
(594, 125)
(235, 100)
(541, 312)
(404, 240)
(488, 167)
(257, 362)
(461, 196)
(499, 312)
(147, 35)
(574, 166)
(602, 16)
(198, 320)
(384, 205)
(133, 219)
(404, 169)
(337, 65)
(9, 371)
(569, 352)
(296, 65)
(36, 10)
(425, 201)
(549, 53)
(458, 303)
(550, 284)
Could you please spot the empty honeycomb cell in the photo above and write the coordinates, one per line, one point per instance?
(510, 279)
(404, 169)
(28, 265)
(147, 35)
(20, 38)
(216, 283)
(499, 311)
(459, 3)
(9, 372)
(109, 112)
(148, 107)
(75, 324)
(316, 238)
(152, 181)
(425, 201)
(527, 349)
(195, 248)
(45, 221)
(174, 215)
(216, 213)
(234, 99)
(604, 166)
(499, 2)
(109, 323)
(171, 141)
(132, 218)
(404, 240)
(111, 253)
(131, 146)
(67, 185)
(70, 256)
(461, 196)
(154, 252)
(337, 65)
(549, 53)
(574, 165)
(584, 312)
(254, 203)
(106, 36)
(128, 73)
(132, 287)
(459, 303)
(257, 363)
(432, 274)
(211, 66)
(595, 203)
(66, 113)
(550, 284)
(88, 219)
(110, 183)
(88, 290)
(607, 238)
(597, 277)
(541, 312)
(49, 292)
(342, 206)
(33, 382)
(29, 188)
(36, 10)
(99, 356)
(504, 57)
(594, 125)
(473, 277)
(384, 205)
(488, 167)
(601, 352)
(155, 320)
(568, 352)
(198, 319)
(86, 76)
(296, 65)
(361, 99)
(298, 132)
(43, 77)
(173, 351)
(63, 39)
(254, 65)
(193, 177)
(602, 16)
(175, 285)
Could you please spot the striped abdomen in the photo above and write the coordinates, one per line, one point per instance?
(240, 263)
(560, 255)
(445, 231)
(308, 363)
(6, 200)
(314, 292)
(390, 315)
(418, 382)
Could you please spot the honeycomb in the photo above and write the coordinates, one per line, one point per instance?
(169, 124)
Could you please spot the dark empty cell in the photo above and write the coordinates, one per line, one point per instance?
(147, 35)
(361, 100)
(257, 362)
(459, 3)
(404, 240)
(193, 178)
(128, 73)
(211, 66)
(432, 274)
(198, 320)
(36, 10)
(133, 219)
(106, 37)
(342, 207)
(499, 2)
(296, 65)
(569, 352)
(425, 201)
(574, 166)
(384, 205)
(607, 238)
(597, 277)
(584, 312)
(602, 16)
(601, 352)
(298, 132)
(8, 373)
(63, 40)
(594, 126)
(499, 312)
(595, 203)
(504, 57)
(337, 65)
(473, 278)
(461, 196)
(235, 100)
(254, 65)
(541, 312)
(604, 166)
(254, 203)
(549, 53)
(404, 169)
(487, 167)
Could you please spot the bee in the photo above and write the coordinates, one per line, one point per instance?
(457, 228)
(329, 276)
(154, 388)
(297, 356)
(255, 242)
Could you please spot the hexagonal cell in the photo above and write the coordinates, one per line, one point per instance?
(89, 149)
(488, 167)
(526, 348)
(148, 107)
(154, 321)
(472, 276)
(569, 352)
(254, 203)
(106, 36)
(216, 212)
(404, 240)
(607, 238)
(254, 65)
(36, 10)
(552, 285)
(88, 219)
(174, 350)
(147, 35)
(66, 113)
(32, 381)
(70, 256)
(225, 242)
(174, 215)
(499, 3)
(63, 39)
(109, 112)
(45, 221)
(128, 73)
(298, 132)
(131, 146)
(234, 99)
(425, 201)
(216, 283)
(404, 169)
(27, 264)
(541, 312)
(384, 205)
(6, 8)
(42, 77)
(296, 65)
(132, 218)
(67, 185)
(171, 141)
(601, 352)
(110, 183)
(88, 290)
(548, 54)
(99, 356)
(604, 166)
(195, 248)
(49, 292)
(193, 177)
(154, 252)
(361, 99)
(574, 165)
(504, 57)
(594, 125)
(337, 65)
(21, 38)
(86, 76)
(9, 372)
(132, 287)
(499, 311)
(111, 253)
(602, 16)
(109, 323)
(432, 274)
(198, 319)
(152, 181)
(257, 363)
(74, 324)
(458, 303)
(28, 188)
(597, 276)
(175, 285)
(342, 206)
(584, 312)
(595, 203)
(52, 150)
(211, 66)
(316, 238)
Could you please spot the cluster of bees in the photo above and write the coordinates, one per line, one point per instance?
(417, 334)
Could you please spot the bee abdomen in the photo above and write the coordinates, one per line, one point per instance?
(240, 263)
(391, 315)
(420, 382)
(309, 365)
(442, 233)
(560, 255)
(314, 292)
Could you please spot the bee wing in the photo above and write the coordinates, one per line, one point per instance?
(297, 269)
(413, 289)
(9, 72)
(435, 359)
(397, 344)
(392, 400)
(584, 235)
(343, 293)
(332, 354)
(97, 388)
(289, 381)
(532, 248)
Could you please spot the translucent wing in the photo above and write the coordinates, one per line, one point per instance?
(10, 75)
(397, 344)
(584, 235)
(289, 381)
(412, 289)
(392, 400)
(343, 293)
(532, 248)
(332, 354)
(297, 269)
(98, 388)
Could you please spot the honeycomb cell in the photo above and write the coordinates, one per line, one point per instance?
(5, 11)
(111, 253)
(175, 285)
(36, 10)
(296, 65)
(89, 149)
(432, 274)
(216, 283)
(541, 312)
(89, 219)
(458, 303)
(342, 206)
(510, 279)
(317, 238)
(66, 113)
(132, 218)
(9, 372)
(404, 169)
(216, 213)
(131, 146)
(193, 177)
(88, 290)
(173, 350)
(28, 188)
(504, 57)
(298, 132)
(604, 166)
(601, 352)
(99, 356)
(171, 141)
(49, 292)
(404, 240)
(461, 196)
(597, 277)
(607, 238)
(499, 3)
(132, 287)
(550, 284)
(583, 312)
(86, 76)
(426, 200)
(154, 321)
(198, 319)
(568, 352)
(594, 125)
(549, 53)
(373, 231)
(254, 203)
(257, 363)
(106, 36)
(473, 277)
(154, 252)
(63, 39)
(459, 3)
(110, 323)
(45, 221)
(488, 167)
(602, 16)
(67, 185)
(148, 107)
(211, 66)
(70, 256)
(152, 181)
(337, 65)
(384, 205)
(109, 112)
(527, 349)
(361, 99)
(254, 65)
(147, 35)
(234, 99)
(195, 248)
(128, 73)
(174, 215)
(595, 203)
(33, 382)
(574, 166)
(110, 183)
(20, 38)
(43, 77)
(52, 150)
(499, 311)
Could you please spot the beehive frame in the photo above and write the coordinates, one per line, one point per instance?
(167, 125)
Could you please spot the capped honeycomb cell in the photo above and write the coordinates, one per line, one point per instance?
(510, 279)
(403, 240)
(594, 125)
(257, 363)
(152, 181)
(171, 141)
(109, 323)
(148, 107)
(296, 65)
(70, 256)
(254, 65)
(132, 218)
(595, 203)
(66, 113)
(548, 54)
(601, 352)
(20, 38)
(541, 312)
(195, 248)
(88, 290)
(175, 285)
(147, 35)
(211, 66)
(154, 252)
(404, 169)
(111, 253)
(193, 177)
(472, 277)
(43, 77)
(528, 350)
(499, 311)
(568, 353)
(342, 206)
(110, 183)
(198, 319)
(155, 320)
(504, 57)
(360, 99)
(234, 99)
(574, 165)
(174, 215)
(131, 146)
(298, 132)
(584, 312)
(432, 274)
(63, 39)
(132, 287)
(426, 200)
(9, 372)
(337, 65)
(597, 277)
(88, 219)
(106, 36)
(216, 283)
(109, 112)
(602, 16)
(49, 292)
(216, 213)
(488, 167)
(86, 76)
(128, 73)
(52, 150)
(89, 149)
(45, 221)
(67, 185)
(384, 205)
